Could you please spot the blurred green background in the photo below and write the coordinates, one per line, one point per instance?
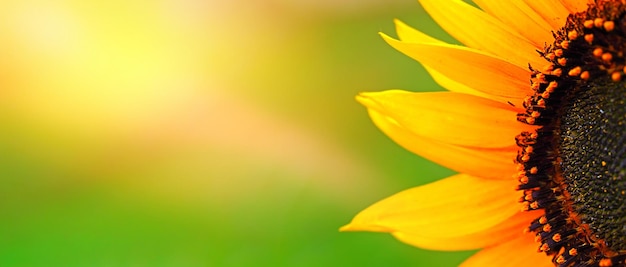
(201, 133)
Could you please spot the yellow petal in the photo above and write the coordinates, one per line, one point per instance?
(447, 117)
(481, 31)
(459, 87)
(575, 6)
(473, 68)
(454, 206)
(501, 233)
(408, 34)
(490, 163)
(411, 35)
(520, 17)
(553, 12)
(519, 252)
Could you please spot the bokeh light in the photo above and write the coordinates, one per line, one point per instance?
(201, 132)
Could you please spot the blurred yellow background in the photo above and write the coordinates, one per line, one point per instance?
(201, 132)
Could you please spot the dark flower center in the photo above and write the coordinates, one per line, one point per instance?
(573, 167)
(592, 140)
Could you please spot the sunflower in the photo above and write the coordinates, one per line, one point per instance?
(535, 124)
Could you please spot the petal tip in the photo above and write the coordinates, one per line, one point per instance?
(366, 100)
(356, 227)
(386, 37)
(346, 228)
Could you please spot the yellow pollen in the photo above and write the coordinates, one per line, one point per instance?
(575, 71)
(541, 103)
(530, 120)
(556, 238)
(534, 86)
(541, 77)
(585, 75)
(544, 247)
(523, 179)
(560, 259)
(533, 170)
(553, 85)
(609, 26)
(588, 24)
(607, 57)
(605, 263)
(535, 205)
(535, 114)
(551, 56)
(598, 52)
(603, 163)
(589, 38)
(557, 72)
(543, 220)
(558, 52)
(598, 22)
(547, 228)
(562, 61)
(537, 238)
(565, 44)
(572, 35)
(573, 252)
(616, 76)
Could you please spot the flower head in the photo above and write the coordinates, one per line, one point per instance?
(534, 122)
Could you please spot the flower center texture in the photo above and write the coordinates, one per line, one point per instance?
(591, 143)
(574, 165)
